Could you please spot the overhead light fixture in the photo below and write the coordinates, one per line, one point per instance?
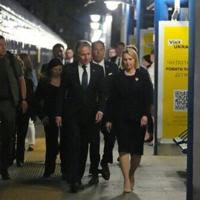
(112, 5)
(101, 7)
(94, 25)
(95, 18)
(96, 35)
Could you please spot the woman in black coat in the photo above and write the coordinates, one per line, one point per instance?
(45, 103)
(128, 108)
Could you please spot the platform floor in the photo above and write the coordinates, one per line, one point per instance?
(159, 177)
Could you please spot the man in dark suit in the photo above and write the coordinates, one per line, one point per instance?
(110, 69)
(58, 52)
(119, 49)
(69, 56)
(82, 110)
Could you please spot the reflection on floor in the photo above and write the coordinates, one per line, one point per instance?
(159, 177)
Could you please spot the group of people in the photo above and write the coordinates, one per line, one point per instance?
(76, 100)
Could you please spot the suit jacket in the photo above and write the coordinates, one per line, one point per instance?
(73, 100)
(111, 69)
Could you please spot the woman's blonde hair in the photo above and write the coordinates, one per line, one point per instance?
(27, 64)
(131, 52)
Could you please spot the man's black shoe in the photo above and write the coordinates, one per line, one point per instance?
(74, 187)
(64, 177)
(46, 174)
(80, 186)
(30, 148)
(94, 180)
(105, 172)
(19, 163)
(5, 175)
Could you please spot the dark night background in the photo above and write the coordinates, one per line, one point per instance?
(70, 20)
(65, 17)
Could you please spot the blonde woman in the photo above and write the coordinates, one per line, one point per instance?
(128, 108)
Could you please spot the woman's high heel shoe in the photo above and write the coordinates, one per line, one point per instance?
(127, 191)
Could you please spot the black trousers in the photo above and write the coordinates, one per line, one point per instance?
(109, 142)
(94, 145)
(7, 129)
(77, 136)
(52, 145)
(70, 151)
(22, 121)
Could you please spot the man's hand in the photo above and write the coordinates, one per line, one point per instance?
(143, 121)
(108, 126)
(99, 116)
(24, 106)
(59, 121)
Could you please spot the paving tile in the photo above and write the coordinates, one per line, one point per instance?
(157, 178)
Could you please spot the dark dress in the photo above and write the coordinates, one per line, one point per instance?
(130, 100)
(45, 101)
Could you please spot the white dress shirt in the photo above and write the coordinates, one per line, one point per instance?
(71, 60)
(151, 73)
(118, 62)
(80, 71)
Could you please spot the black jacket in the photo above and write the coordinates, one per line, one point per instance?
(130, 97)
(73, 100)
(111, 69)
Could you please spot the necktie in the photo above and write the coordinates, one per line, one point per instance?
(84, 78)
(119, 62)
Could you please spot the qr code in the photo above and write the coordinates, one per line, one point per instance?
(180, 100)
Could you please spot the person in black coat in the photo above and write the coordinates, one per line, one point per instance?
(127, 114)
(45, 104)
(82, 105)
(58, 52)
(110, 69)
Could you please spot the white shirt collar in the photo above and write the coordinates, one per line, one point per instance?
(71, 60)
(87, 65)
(102, 63)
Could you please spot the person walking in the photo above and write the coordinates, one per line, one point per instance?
(45, 103)
(110, 69)
(58, 52)
(82, 105)
(128, 109)
(12, 94)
